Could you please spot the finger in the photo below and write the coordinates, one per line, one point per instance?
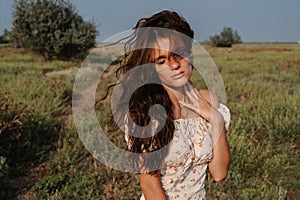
(191, 97)
(197, 92)
(195, 95)
(191, 91)
(202, 100)
(190, 106)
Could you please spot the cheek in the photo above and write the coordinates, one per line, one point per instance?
(163, 72)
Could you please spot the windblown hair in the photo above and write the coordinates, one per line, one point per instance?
(152, 139)
(139, 51)
(145, 36)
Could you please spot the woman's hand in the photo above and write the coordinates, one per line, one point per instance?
(205, 104)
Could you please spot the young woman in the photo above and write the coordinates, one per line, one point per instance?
(192, 131)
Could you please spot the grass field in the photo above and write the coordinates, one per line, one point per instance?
(47, 159)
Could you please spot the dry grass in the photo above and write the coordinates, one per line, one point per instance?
(262, 85)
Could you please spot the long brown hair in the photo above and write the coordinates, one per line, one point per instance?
(150, 94)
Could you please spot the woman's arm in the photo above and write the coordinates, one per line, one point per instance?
(219, 165)
(207, 108)
(151, 186)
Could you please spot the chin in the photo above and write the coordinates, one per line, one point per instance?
(177, 83)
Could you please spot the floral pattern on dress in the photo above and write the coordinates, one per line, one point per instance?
(189, 154)
(186, 162)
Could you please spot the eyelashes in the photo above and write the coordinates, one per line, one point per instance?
(160, 62)
(176, 57)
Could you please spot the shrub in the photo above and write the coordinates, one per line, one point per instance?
(5, 38)
(53, 29)
(226, 38)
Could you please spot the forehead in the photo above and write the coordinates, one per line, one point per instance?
(161, 47)
(164, 45)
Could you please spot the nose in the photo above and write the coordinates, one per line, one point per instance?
(174, 64)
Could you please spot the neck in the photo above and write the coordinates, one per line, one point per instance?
(184, 95)
(178, 92)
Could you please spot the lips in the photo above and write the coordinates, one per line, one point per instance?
(178, 75)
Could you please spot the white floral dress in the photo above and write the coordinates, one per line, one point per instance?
(189, 153)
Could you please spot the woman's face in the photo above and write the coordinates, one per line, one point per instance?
(174, 69)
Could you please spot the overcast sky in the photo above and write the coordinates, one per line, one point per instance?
(255, 20)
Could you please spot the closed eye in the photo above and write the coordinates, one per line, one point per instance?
(160, 60)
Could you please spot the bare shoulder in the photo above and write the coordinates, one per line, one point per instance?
(210, 97)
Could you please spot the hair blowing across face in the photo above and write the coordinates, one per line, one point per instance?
(146, 96)
(145, 35)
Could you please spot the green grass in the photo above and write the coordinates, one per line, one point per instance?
(262, 88)
(262, 83)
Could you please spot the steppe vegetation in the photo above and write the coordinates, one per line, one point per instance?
(42, 156)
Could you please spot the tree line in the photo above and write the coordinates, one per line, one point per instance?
(54, 29)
